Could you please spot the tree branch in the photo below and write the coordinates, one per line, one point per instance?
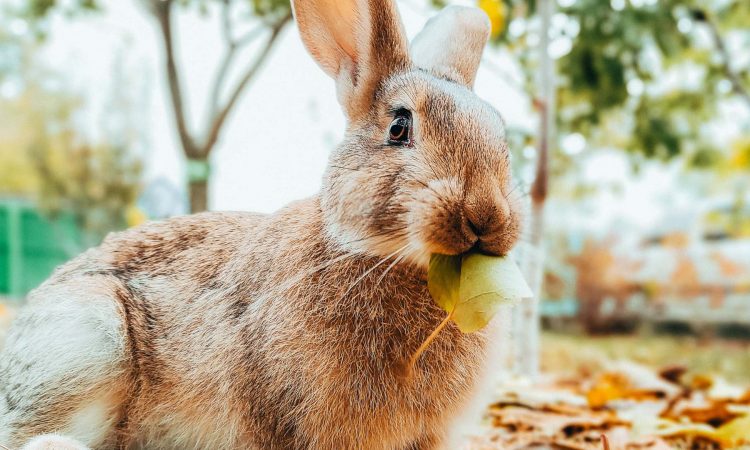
(721, 47)
(540, 186)
(233, 45)
(162, 10)
(249, 36)
(226, 62)
(222, 113)
(227, 28)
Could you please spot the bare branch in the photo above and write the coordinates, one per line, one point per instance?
(228, 28)
(249, 36)
(221, 75)
(726, 59)
(233, 45)
(162, 10)
(226, 62)
(221, 115)
(226, 23)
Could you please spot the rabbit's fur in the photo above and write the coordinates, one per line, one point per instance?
(289, 330)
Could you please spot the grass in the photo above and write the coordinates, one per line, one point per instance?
(575, 353)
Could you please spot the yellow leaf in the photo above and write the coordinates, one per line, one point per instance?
(735, 433)
(134, 216)
(486, 283)
(610, 386)
(730, 435)
(470, 288)
(740, 159)
(444, 278)
(495, 9)
(617, 386)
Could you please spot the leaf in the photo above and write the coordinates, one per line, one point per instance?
(471, 288)
(495, 10)
(735, 432)
(443, 279)
(730, 435)
(499, 275)
(610, 386)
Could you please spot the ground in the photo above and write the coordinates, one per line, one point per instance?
(626, 392)
(572, 353)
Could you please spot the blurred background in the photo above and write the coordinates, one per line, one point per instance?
(629, 123)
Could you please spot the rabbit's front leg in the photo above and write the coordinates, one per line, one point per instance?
(53, 442)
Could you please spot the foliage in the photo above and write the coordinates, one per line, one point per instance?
(495, 10)
(45, 156)
(603, 404)
(98, 183)
(647, 76)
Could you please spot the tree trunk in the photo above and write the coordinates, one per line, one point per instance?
(198, 195)
(198, 172)
(527, 319)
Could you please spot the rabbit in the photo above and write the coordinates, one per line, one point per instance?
(231, 330)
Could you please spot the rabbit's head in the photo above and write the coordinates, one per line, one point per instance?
(424, 166)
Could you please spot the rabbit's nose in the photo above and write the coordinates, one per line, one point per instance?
(486, 213)
(486, 218)
(477, 226)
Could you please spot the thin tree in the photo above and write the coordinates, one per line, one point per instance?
(198, 143)
(528, 324)
(196, 140)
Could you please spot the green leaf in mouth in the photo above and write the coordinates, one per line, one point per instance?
(471, 288)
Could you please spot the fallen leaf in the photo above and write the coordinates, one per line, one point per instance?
(615, 386)
(673, 373)
(735, 432)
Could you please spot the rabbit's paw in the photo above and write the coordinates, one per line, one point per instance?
(53, 442)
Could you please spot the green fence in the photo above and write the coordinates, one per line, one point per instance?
(31, 246)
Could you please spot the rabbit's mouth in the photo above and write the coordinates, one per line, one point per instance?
(443, 219)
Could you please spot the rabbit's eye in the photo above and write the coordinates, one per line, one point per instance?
(399, 132)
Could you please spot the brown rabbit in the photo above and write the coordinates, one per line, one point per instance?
(290, 330)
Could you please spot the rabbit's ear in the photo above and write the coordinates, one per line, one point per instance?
(357, 42)
(451, 44)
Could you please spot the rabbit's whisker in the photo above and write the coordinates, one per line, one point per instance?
(395, 233)
(390, 266)
(518, 185)
(368, 271)
(294, 281)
